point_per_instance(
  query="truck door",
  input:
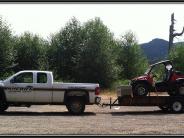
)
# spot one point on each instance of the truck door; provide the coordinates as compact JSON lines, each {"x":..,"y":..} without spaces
{"x":20,"y":88}
{"x":42,"y":88}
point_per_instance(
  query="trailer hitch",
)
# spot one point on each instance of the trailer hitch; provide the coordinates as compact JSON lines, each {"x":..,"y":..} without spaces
{"x":103,"y":105}
{"x":98,"y":102}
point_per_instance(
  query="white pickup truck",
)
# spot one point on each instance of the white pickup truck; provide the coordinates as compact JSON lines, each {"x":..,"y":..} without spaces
{"x":29,"y":87}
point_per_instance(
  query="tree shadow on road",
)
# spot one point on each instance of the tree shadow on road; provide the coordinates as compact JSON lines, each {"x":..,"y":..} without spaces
{"x":155,"y":112}
{"x":24,"y":113}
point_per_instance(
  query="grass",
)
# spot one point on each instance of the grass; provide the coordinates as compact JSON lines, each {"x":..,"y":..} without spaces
{"x":107,"y":93}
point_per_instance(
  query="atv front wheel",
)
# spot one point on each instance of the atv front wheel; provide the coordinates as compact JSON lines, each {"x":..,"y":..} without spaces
{"x":140,"y":90}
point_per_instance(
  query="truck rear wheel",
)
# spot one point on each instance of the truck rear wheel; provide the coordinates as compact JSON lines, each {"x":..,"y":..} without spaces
{"x":76,"y":105}
{"x":176,"y":106}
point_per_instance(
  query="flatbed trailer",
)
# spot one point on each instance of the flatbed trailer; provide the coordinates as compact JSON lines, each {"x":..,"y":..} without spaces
{"x":165,"y":102}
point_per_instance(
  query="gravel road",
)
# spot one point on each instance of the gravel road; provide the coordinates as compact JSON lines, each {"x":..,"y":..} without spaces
{"x":56,"y":120}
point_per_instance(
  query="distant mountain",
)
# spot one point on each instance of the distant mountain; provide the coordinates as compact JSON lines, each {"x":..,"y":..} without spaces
{"x":155,"y":50}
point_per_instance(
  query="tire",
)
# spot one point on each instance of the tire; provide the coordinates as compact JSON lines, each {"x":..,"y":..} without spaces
{"x":3,"y":106}
{"x":76,"y":105}
{"x":176,"y":106}
{"x":140,"y":90}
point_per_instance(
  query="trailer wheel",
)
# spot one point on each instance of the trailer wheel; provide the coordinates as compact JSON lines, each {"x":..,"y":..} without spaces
{"x":140,"y":90}
{"x":177,"y":106}
{"x":76,"y":105}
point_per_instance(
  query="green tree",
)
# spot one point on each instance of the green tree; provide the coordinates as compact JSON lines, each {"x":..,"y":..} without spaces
{"x":30,"y":52}
{"x":131,"y":59}
{"x":65,"y":49}
{"x":97,"y":64}
{"x":176,"y":56}
{"x":6,"y":49}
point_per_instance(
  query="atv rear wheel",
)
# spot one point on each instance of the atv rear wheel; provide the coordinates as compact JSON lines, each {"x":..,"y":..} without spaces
{"x":140,"y":90}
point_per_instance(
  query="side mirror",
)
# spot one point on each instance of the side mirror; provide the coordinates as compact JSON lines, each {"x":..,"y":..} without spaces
{"x":12,"y":80}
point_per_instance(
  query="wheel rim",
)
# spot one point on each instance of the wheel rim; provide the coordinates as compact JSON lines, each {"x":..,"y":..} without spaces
{"x":177,"y":106}
{"x":141,"y":90}
{"x":76,"y":106}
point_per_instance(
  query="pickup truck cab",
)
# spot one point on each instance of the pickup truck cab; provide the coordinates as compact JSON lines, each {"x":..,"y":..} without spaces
{"x":32,"y":87}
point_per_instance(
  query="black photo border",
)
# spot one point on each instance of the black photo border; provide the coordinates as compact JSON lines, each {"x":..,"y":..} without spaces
{"x":91,"y":2}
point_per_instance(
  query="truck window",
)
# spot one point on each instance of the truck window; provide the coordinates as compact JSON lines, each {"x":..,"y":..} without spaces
{"x":41,"y":78}
{"x":24,"y":78}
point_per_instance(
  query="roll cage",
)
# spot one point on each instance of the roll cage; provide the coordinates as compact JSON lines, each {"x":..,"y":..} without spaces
{"x":164,"y":62}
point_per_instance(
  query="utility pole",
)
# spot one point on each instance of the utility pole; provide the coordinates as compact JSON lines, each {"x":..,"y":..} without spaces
{"x":171,"y":32}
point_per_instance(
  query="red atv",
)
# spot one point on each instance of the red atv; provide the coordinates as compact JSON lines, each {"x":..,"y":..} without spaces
{"x":171,"y":81}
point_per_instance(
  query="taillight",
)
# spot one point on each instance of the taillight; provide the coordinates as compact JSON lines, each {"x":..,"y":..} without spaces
{"x":97,"y":90}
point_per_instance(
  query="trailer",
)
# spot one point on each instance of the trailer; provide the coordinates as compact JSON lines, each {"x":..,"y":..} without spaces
{"x":125,"y":97}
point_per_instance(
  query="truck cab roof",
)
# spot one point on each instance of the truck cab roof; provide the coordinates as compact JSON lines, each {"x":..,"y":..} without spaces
{"x":35,"y":71}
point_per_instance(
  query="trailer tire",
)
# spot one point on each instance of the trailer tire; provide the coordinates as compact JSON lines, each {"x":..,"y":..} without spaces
{"x":177,"y":106}
{"x":76,"y":105}
{"x":140,"y":90}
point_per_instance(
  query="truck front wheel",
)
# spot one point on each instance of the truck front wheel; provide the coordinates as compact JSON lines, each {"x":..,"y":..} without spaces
{"x":75,"y":105}
{"x":3,"y":106}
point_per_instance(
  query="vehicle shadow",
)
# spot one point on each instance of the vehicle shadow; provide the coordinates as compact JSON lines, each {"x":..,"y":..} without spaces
{"x":155,"y":112}
{"x":23,"y":113}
